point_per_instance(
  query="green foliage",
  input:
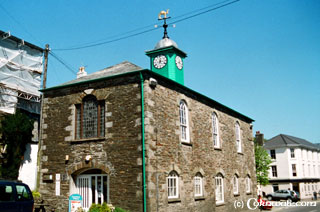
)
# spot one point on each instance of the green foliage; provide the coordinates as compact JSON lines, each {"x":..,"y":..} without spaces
{"x":36,"y":194}
{"x":263,"y":162}
{"x":99,"y":208}
{"x":16,"y":132}
{"x":119,"y":210}
{"x":80,"y":210}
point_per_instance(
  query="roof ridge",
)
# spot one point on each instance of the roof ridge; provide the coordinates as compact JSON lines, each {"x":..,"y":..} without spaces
{"x":289,"y":137}
{"x":284,"y":141}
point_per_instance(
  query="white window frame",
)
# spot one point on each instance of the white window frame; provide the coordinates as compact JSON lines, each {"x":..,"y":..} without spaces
{"x":274,"y":171}
{"x":219,"y":189}
{"x":198,"y":185}
{"x":248,"y":184}
{"x":235,"y":184}
{"x":215,"y":130}
{"x":273,"y":155}
{"x":292,"y":155}
{"x":294,"y":170}
{"x":184,"y":121}
{"x":173,"y":185}
{"x":238,"y":137}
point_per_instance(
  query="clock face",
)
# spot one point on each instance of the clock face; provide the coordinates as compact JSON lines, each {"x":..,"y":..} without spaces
{"x":179,"y":62}
{"x":160,"y":61}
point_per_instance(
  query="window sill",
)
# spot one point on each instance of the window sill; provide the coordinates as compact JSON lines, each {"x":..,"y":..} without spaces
{"x":217,"y":148}
{"x":87,"y":140}
{"x":248,"y":193}
{"x":220,"y":204}
{"x":174,"y":200}
{"x":186,"y":143}
{"x":236,"y":194}
{"x":199,"y":198}
{"x":240,"y":153}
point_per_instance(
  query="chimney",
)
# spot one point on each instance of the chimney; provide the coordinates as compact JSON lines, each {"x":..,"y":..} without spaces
{"x":259,"y":138}
{"x":81,"y":72}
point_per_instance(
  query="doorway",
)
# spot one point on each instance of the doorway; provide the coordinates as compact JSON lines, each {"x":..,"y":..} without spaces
{"x":93,"y":186}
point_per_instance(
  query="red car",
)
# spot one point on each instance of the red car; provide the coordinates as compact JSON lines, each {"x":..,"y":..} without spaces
{"x":263,"y":204}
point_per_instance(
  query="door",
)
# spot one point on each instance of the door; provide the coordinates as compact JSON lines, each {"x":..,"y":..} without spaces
{"x":93,"y":188}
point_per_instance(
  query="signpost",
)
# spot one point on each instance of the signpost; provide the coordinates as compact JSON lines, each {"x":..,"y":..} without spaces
{"x":75,"y":202}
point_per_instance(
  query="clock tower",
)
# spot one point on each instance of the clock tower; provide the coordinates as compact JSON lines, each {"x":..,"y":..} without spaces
{"x":166,"y":58}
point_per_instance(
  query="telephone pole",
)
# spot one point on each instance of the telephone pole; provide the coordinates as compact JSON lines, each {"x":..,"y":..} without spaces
{"x":46,"y":52}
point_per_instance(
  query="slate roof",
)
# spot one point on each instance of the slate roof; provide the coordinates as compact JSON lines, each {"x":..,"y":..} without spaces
{"x":289,"y":141}
{"x":117,"y":69}
{"x":126,"y":68}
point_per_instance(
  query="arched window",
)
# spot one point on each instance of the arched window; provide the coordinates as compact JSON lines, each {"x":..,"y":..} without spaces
{"x":90,"y":118}
{"x":219,"y":189}
{"x":238,"y":137}
{"x":173,"y":185}
{"x":248,"y":184}
{"x":215,"y":130}
{"x":235,"y":184}
{"x":184,"y":122}
{"x":198,"y":185}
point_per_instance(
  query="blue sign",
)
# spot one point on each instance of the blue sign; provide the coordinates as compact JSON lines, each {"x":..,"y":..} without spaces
{"x":75,"y":202}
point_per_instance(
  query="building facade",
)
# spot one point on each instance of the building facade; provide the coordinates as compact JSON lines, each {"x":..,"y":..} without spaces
{"x":295,"y":165}
{"x":141,"y":140}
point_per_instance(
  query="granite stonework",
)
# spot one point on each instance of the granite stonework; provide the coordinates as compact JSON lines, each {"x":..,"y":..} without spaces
{"x":119,"y":153}
{"x":166,"y":153}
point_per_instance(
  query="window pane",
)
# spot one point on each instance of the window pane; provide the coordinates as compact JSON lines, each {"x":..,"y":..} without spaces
{"x":78,"y":121}
{"x":22,"y":193}
{"x":183,"y":112}
{"x":105,"y":189}
{"x":6,"y":193}
{"x":102,"y":116}
{"x":90,"y":119}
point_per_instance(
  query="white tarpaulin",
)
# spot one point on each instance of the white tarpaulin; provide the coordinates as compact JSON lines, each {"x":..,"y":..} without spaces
{"x":20,"y":70}
{"x":8,"y":100}
{"x":20,"y":67}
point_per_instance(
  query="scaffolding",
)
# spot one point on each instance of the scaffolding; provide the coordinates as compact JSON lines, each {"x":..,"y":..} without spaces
{"x":20,"y":74}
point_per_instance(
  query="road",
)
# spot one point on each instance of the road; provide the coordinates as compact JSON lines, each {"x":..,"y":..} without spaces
{"x":313,"y":207}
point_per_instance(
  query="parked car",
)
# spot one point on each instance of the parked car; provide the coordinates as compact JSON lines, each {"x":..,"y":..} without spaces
{"x":297,"y":194}
{"x":15,"y":196}
{"x":283,"y":195}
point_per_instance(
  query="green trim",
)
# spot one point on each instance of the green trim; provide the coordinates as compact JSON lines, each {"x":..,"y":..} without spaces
{"x":143,"y":146}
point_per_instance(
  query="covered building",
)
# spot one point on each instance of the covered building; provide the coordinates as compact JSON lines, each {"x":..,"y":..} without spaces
{"x":20,"y":79}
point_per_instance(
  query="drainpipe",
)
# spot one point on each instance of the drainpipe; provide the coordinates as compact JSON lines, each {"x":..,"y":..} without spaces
{"x":143,"y":146}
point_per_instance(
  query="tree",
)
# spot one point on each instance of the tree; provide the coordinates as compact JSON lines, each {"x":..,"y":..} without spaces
{"x":16,"y":132}
{"x":263,"y":162}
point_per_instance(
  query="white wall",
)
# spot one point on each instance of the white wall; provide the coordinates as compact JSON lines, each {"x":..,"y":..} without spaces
{"x":303,"y":158}
{"x":28,"y":170}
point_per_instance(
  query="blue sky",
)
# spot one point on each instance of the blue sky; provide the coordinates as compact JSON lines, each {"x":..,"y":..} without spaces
{"x":259,"y":57}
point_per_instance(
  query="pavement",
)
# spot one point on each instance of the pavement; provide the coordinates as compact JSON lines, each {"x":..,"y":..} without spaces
{"x":280,"y":208}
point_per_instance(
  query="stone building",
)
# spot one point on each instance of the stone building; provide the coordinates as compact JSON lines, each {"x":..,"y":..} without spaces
{"x":143,"y":141}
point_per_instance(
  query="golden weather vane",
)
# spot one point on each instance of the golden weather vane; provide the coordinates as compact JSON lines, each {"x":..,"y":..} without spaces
{"x":163,"y":16}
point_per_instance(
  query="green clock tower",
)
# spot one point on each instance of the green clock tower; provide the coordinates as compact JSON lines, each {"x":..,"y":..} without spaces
{"x":166,"y":58}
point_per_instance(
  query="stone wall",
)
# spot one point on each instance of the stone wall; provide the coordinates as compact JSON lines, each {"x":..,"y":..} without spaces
{"x":165,"y":152}
{"x":118,"y":154}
